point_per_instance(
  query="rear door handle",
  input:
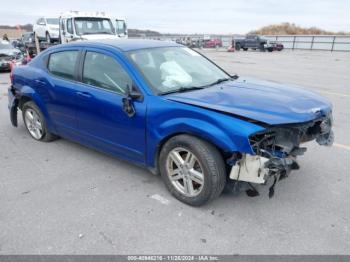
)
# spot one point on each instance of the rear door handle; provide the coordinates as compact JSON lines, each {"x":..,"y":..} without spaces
{"x":84,"y":94}
{"x":39,"y":82}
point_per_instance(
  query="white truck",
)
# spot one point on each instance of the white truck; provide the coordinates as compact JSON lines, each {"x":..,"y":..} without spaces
{"x":76,"y":25}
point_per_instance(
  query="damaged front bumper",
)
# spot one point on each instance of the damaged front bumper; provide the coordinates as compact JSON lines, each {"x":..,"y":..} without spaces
{"x":276,"y":150}
{"x":258,"y":170}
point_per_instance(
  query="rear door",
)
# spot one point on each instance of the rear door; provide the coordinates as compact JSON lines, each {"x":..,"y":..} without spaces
{"x":100,"y":115}
{"x":60,"y":90}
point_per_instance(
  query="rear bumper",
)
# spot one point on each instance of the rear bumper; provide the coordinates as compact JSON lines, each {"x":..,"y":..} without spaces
{"x":12,"y":106}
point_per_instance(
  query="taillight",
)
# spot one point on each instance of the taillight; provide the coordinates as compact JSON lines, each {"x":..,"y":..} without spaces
{"x":11,"y":72}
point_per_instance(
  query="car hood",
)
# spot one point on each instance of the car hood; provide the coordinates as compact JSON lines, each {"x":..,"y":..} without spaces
{"x":9,"y":52}
{"x":258,"y":100}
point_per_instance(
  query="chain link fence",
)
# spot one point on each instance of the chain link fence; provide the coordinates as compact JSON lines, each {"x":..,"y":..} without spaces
{"x":293,"y":42}
{"x":314,"y":42}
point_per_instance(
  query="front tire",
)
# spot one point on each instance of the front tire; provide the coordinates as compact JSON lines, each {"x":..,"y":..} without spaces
{"x":192,"y":169}
{"x":35,"y":123}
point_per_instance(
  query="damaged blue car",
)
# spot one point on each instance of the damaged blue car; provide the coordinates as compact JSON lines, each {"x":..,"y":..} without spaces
{"x":170,"y":109}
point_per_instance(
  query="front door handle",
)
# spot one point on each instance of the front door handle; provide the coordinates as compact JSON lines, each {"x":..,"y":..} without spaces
{"x":128,"y":106}
{"x":84,"y":94}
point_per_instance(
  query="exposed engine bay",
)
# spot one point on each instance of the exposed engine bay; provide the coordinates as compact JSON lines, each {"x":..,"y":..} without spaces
{"x":276,"y":150}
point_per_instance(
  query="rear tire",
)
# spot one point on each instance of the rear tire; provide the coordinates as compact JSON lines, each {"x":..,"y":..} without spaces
{"x":35,"y":123}
{"x":193,"y":170}
{"x":238,"y":47}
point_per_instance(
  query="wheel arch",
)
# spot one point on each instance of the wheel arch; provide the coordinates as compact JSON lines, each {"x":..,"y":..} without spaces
{"x":22,"y":100}
{"x":225,"y":152}
{"x":28,"y":94}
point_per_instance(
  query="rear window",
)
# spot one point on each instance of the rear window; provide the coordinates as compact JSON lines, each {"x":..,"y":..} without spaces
{"x":62,"y":64}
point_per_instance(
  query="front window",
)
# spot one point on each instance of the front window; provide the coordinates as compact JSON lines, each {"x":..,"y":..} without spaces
{"x":105,"y":72}
{"x":41,"y":21}
{"x":121,"y":27}
{"x":52,"y":21}
{"x":69,"y":26}
{"x":173,"y":69}
{"x":90,"y":25}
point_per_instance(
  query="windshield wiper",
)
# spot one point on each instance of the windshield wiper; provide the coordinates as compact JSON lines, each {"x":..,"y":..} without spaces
{"x":182,"y":90}
{"x":219,"y":81}
{"x":234,"y":77}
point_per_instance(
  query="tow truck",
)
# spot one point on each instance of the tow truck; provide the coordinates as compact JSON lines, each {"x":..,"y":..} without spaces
{"x":77,"y":25}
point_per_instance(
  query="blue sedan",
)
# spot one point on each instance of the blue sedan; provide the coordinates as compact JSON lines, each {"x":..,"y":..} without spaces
{"x":170,"y":109}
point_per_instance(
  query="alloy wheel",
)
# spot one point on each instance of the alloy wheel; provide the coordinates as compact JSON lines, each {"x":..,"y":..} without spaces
{"x":33,"y":123}
{"x":185,"y":171}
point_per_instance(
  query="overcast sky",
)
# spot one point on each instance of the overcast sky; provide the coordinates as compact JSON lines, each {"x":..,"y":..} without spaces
{"x":192,"y":16}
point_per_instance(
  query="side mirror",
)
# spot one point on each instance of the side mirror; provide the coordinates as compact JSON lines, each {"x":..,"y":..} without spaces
{"x":128,"y":105}
{"x":133,"y":93}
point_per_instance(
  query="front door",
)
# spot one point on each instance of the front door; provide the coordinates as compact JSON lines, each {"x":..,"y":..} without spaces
{"x":100,"y":115}
{"x":66,"y":30}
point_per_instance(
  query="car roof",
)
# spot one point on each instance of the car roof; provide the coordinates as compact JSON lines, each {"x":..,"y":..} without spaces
{"x":126,"y":45}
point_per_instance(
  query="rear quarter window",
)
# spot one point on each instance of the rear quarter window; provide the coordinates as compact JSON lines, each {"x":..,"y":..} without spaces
{"x":62,"y":64}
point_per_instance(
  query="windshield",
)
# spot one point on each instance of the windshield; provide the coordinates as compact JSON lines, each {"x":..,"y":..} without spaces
{"x":5,"y":45}
{"x":90,"y":25}
{"x":173,"y":69}
{"x":52,"y":21}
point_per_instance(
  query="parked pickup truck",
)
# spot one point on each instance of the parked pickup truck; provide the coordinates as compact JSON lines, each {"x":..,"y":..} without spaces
{"x":254,"y":42}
